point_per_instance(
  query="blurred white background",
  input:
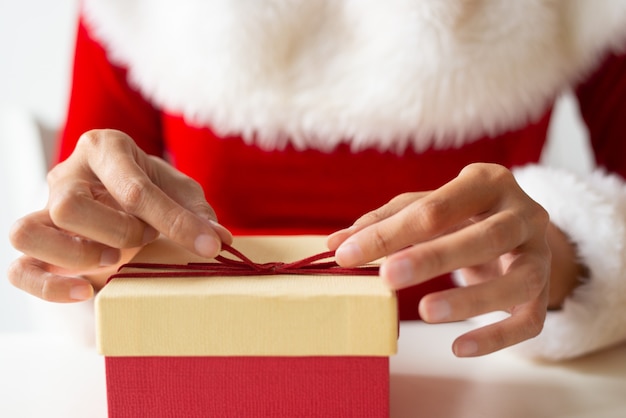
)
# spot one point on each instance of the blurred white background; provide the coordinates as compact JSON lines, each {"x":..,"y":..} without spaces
{"x":36,"y":40}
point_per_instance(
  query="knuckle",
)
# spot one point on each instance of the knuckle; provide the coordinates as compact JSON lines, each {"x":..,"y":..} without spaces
{"x":203,"y":209}
{"x":381,"y":242}
{"x":477,"y":302}
{"x":79,"y":255}
{"x":19,"y":276}
{"x":535,"y":281}
{"x":14,"y":273}
{"x":499,"y":339}
{"x":19,"y":235}
{"x":488,"y":172}
{"x":540,"y":215}
{"x":429,"y":215}
{"x":98,"y":144}
{"x":176,"y":222}
{"x":90,"y":139}
{"x":194,"y":186}
{"x":63,"y":209}
{"x":502,"y":235}
{"x":534,"y":323}
{"x":476,"y":169}
{"x":123,"y":236}
{"x":127,"y":237}
{"x":402,"y":199}
{"x":499,"y":173}
{"x":131,"y":196}
{"x":96,"y":138}
{"x":370,"y":218}
{"x":195,"y":190}
{"x":472,"y":169}
{"x":432,"y":259}
{"x":54,"y":174}
{"x":49,"y":288}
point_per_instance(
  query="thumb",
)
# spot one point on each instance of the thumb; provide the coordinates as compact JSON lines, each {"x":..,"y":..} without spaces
{"x":201,"y":208}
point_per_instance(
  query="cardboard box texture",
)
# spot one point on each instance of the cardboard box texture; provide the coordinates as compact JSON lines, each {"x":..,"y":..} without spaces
{"x":278,"y":345}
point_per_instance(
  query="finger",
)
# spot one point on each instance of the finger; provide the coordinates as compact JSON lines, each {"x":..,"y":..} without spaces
{"x":31,"y":275}
{"x":526,"y":280}
{"x":334,"y":240}
{"x":527,"y":322}
{"x":475,"y":244}
{"x":126,"y":179}
{"x":480,"y":273}
{"x":171,"y":219}
{"x":225,"y":235}
{"x":38,"y":237}
{"x":422,"y":220}
{"x":188,"y":193}
{"x":391,"y":208}
{"x":74,"y":208}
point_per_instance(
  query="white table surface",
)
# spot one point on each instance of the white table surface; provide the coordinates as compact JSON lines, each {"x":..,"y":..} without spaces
{"x":44,"y":377}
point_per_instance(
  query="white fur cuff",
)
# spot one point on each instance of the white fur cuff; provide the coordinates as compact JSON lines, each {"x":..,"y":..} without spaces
{"x":592,"y":211}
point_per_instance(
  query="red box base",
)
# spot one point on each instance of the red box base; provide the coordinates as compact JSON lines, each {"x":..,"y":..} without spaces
{"x":162,"y":387}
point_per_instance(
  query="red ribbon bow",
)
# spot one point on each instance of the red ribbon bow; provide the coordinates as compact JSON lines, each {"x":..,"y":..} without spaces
{"x":224,"y":266}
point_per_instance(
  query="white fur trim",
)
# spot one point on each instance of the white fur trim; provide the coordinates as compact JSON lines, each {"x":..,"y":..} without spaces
{"x":376,"y":73}
{"x":592,"y":211}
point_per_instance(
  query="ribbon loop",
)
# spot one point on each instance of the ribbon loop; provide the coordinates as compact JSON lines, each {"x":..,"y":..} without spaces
{"x":244,"y":266}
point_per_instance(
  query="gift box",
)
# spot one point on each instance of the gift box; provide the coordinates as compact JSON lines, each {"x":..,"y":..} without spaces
{"x":245,"y":344}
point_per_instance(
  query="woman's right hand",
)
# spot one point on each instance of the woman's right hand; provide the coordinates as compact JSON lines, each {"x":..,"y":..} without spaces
{"x":106,"y":200}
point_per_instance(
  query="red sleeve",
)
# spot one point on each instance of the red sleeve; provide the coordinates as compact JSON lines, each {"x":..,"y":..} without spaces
{"x":101,"y":98}
{"x":602,"y":100}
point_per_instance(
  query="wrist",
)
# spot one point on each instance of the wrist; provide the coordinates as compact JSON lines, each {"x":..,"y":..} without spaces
{"x":567,"y":272}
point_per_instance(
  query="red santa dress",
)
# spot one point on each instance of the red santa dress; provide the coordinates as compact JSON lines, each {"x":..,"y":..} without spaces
{"x":298,"y":117}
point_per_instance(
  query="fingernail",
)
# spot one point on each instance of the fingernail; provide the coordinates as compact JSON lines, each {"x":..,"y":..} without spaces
{"x":398,"y":273}
{"x":466,"y":348}
{"x":438,"y":311}
{"x":206,"y":245}
{"x":109,"y":257}
{"x":81,"y":292}
{"x":349,"y":254}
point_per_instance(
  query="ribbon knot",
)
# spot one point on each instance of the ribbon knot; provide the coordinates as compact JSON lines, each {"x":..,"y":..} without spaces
{"x":244,"y":266}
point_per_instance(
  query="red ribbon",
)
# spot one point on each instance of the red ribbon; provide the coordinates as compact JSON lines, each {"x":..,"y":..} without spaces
{"x":224,"y":266}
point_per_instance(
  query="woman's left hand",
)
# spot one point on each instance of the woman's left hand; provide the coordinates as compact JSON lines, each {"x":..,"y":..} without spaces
{"x":480,"y":222}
